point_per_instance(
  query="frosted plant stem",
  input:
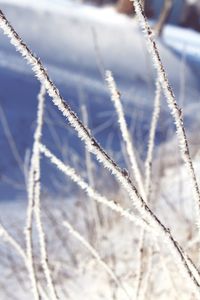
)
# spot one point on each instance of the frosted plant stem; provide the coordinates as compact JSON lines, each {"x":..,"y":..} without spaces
{"x":151,"y":140}
{"x":28,"y":236}
{"x":95,"y":211}
{"x":93,"y":146}
{"x":15,"y":245}
{"x":96,"y":255}
{"x":71,"y":173}
{"x":35,"y":170}
{"x":148,"y":171}
{"x":173,"y":106}
{"x":31,"y":193}
{"x":116,"y":99}
{"x":144,"y":190}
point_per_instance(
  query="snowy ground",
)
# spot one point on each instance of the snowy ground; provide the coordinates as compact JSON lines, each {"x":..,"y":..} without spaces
{"x":76,"y":43}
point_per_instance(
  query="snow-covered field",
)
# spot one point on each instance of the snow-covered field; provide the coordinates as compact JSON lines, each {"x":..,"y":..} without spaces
{"x":77,"y":43}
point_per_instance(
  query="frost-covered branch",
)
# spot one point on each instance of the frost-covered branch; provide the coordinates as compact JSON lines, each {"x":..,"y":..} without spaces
{"x":151,"y":140}
{"x":34,"y":200}
{"x":143,"y":188}
{"x":173,"y":106}
{"x":93,"y":146}
{"x":116,"y":99}
{"x":148,"y":171}
{"x":89,"y":167}
{"x":71,"y":173}
{"x":31,"y":196}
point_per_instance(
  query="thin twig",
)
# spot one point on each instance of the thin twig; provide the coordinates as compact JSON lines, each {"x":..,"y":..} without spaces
{"x":148,"y":171}
{"x":116,"y":98}
{"x":35,"y":174}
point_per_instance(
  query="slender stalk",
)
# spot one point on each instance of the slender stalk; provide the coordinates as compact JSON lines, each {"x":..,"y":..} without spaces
{"x":144,"y":189}
{"x":89,"y":167}
{"x":116,"y":99}
{"x":35,"y":172}
{"x":148,"y":171}
{"x":151,"y":140}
